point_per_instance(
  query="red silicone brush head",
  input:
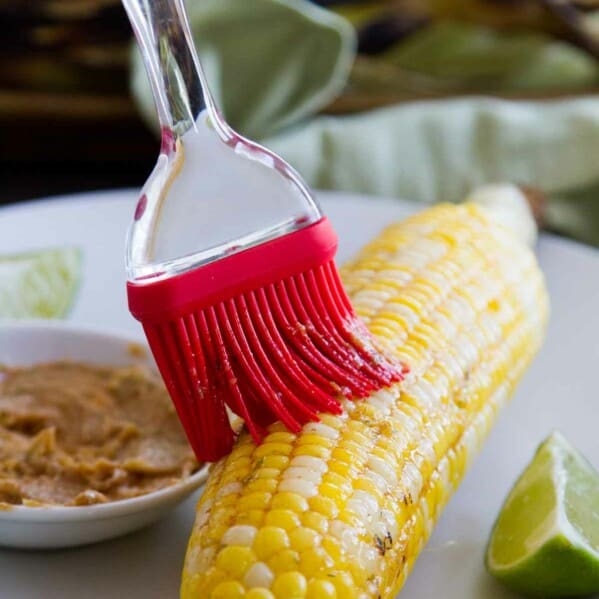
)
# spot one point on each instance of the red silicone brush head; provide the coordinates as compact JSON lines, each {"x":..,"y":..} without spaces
{"x":268,"y":332}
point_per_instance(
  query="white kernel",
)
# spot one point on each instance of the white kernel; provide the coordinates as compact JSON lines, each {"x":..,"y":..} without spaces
{"x":377,"y":480}
{"x":308,"y":461}
{"x":368,"y":558}
{"x":200,"y":560}
{"x":382,"y":468}
{"x":235,"y":487}
{"x":302,"y":474}
{"x":305,"y":488}
{"x":412,"y":479}
{"x":239,"y":535}
{"x":345,"y":534}
{"x":259,"y":575}
{"x":322,"y":430}
{"x":363,"y":503}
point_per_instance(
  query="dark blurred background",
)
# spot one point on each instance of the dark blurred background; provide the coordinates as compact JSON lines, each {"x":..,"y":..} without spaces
{"x":67,"y":122}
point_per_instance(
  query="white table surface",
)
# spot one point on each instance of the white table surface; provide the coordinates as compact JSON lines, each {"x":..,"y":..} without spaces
{"x":560,"y":391}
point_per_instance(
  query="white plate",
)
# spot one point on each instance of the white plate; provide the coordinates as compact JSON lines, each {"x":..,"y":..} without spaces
{"x":560,"y":391}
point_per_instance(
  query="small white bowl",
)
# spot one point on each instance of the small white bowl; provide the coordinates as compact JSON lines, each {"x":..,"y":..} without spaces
{"x":31,"y":342}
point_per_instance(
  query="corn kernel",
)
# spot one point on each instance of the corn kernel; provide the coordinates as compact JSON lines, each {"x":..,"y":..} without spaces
{"x":324,"y":505}
{"x":290,"y":501}
{"x":267,"y":449}
{"x":344,"y":585}
{"x":303,"y":538}
{"x":267,"y":473}
{"x":228,"y":590}
{"x":331,"y":546}
{"x":259,"y":594}
{"x":277,"y":462}
{"x":290,"y":585}
{"x":284,"y":561}
{"x":315,"y":521}
{"x":235,"y":560}
{"x":280,"y":437}
{"x":269,"y":541}
{"x":261,"y":485}
{"x":321,"y":589}
{"x":254,"y":501}
{"x":251,"y":518}
{"x":285,"y":519}
{"x":316,"y":451}
{"x":315,"y":562}
{"x":240,"y":535}
{"x":259,"y":575}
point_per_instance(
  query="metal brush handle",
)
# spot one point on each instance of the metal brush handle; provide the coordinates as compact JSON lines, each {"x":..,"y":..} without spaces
{"x":210,"y":186}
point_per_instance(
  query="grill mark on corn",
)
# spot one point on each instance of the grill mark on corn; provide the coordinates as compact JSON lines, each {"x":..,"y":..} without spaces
{"x":351,"y":501}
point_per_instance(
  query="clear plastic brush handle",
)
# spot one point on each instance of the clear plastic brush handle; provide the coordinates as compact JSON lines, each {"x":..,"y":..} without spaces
{"x":212,"y":192}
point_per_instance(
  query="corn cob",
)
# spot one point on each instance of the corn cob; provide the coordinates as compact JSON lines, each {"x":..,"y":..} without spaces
{"x":342,"y":509}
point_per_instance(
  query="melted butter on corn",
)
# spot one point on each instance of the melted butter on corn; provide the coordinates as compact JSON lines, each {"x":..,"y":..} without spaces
{"x":343,"y":509}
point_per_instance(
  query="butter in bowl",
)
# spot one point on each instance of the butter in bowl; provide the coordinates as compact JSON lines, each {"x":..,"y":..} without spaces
{"x":90,"y":445}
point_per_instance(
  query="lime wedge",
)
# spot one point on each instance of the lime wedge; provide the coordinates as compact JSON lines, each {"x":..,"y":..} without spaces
{"x":545,"y":542}
{"x":39,"y":284}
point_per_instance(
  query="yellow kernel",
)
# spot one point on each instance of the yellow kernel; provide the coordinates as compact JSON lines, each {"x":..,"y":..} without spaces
{"x":290,"y":585}
{"x":280,"y":437}
{"x":324,"y":505}
{"x":267,"y":449}
{"x":261,"y":485}
{"x":285,"y":519}
{"x":334,"y":492}
{"x":254,"y":501}
{"x":212,"y":578}
{"x":290,"y":501}
{"x":251,"y":517}
{"x":236,"y":462}
{"x":344,"y":585}
{"x":331,"y":546}
{"x":276,"y":427}
{"x":337,"y":480}
{"x":228,"y":590}
{"x":234,"y":476}
{"x":313,"y":439}
{"x":259,"y":594}
{"x":343,"y":469}
{"x":356,"y":436}
{"x":316,"y":451}
{"x":350,"y":518}
{"x":268,"y":473}
{"x":315,"y":562}
{"x":341,"y":455}
{"x":365,"y":484}
{"x":235,"y":560}
{"x":315,"y":521}
{"x":284,"y":561}
{"x":303,"y":538}
{"x":277,"y":462}
{"x":352,"y":447}
{"x":321,"y":589}
{"x":269,"y":541}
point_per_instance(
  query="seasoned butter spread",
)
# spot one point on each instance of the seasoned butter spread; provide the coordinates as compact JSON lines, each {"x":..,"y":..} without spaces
{"x":75,"y":434}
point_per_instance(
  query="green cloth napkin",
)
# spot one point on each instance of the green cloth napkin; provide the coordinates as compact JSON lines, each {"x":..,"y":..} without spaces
{"x":269,"y":62}
{"x":438,"y":150}
{"x":273,"y":64}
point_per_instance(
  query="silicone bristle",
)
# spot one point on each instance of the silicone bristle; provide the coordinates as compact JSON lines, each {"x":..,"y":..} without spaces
{"x":286,"y":351}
